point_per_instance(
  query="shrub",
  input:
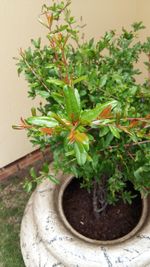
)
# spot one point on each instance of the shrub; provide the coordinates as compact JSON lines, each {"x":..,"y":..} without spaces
{"x":95,"y":115}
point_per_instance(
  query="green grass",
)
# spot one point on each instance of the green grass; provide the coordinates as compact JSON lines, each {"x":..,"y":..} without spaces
{"x":12,"y":203}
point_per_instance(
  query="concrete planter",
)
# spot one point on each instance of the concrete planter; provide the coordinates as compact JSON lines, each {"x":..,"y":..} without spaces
{"x":47,"y":240}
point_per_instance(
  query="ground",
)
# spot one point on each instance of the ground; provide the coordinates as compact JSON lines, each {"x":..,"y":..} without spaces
{"x":12,"y":203}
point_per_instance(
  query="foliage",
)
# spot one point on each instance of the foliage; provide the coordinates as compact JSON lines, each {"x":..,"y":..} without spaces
{"x":95,"y":115}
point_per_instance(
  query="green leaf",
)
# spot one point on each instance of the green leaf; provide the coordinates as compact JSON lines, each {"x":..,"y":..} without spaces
{"x":34,"y":85}
{"x":55,"y":82}
{"x":57,"y":97}
{"x":32,"y":173}
{"x":36,"y":43}
{"x":45,"y":168}
{"x":43,"y":94}
{"x":50,"y":66}
{"x":60,"y":120}
{"x":33,"y":111}
{"x":92,"y":114}
{"x":53,"y":179}
{"x":42,"y":121}
{"x":133,"y":137}
{"x":115,"y":131}
{"x":28,"y":186}
{"x":80,"y":152}
{"x":138,"y":174}
{"x":103,"y":131}
{"x":72,"y":103}
{"x":133,"y":90}
{"x":108,"y":140}
{"x":138,"y":26}
{"x":77,"y":98}
{"x":103,"y":80}
{"x":81,"y":137}
{"x":69,"y":153}
{"x":82,"y":78}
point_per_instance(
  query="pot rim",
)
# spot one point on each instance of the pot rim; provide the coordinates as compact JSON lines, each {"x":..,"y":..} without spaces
{"x":94,"y":241}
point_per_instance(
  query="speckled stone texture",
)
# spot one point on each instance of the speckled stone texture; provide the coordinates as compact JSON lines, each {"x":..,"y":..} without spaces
{"x":46,"y":242}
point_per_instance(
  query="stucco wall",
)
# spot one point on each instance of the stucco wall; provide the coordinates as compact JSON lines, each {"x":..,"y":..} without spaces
{"x":143,"y":14}
{"x":18,"y":23}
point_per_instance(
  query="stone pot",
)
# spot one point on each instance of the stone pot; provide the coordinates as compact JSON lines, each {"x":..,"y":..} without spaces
{"x":48,"y":240}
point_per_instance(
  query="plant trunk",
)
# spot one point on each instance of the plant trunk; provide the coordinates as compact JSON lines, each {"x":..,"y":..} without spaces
{"x":99,"y":196}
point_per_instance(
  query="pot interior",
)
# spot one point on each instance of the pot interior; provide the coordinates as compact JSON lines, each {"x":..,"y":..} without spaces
{"x":116,"y":223}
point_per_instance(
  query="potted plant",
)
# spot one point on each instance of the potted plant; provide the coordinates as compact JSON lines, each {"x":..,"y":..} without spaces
{"x":95,"y":118}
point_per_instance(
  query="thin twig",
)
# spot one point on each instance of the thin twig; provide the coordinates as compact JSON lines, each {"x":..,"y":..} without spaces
{"x":33,"y":71}
{"x":131,"y":144}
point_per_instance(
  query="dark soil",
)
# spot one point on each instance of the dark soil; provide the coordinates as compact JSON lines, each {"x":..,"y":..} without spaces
{"x":116,"y":221}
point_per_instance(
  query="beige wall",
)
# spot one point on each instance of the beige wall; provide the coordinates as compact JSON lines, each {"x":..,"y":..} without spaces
{"x":143,"y":14}
{"x":18,"y":23}
{"x":104,"y":15}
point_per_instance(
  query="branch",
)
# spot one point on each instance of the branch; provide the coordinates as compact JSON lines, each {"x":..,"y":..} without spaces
{"x":131,"y":144}
{"x":33,"y":71}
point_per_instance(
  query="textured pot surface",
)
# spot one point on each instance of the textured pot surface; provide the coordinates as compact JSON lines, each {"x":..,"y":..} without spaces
{"x":47,"y":242}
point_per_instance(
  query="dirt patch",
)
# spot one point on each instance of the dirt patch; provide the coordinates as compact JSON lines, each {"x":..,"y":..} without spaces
{"x":116,"y":221}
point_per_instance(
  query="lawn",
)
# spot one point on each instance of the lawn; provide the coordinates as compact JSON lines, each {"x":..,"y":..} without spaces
{"x":12,"y":203}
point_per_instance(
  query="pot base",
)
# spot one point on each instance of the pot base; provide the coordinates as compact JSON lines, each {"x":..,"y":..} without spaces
{"x":46,"y":241}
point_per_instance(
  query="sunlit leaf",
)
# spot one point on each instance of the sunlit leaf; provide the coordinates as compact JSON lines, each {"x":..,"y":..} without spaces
{"x":43,"y":94}
{"x":53,"y":179}
{"x":32,"y":173}
{"x":103,"y":131}
{"x":55,"y":82}
{"x":28,"y":186}
{"x":92,"y":114}
{"x":72,"y":103}
{"x":103,"y":80}
{"x":80,"y":152}
{"x":44,"y":121}
{"x":81,"y":137}
{"x":57,"y":97}
{"x":114,"y":131}
{"x":125,"y":129}
{"x":82,"y":78}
